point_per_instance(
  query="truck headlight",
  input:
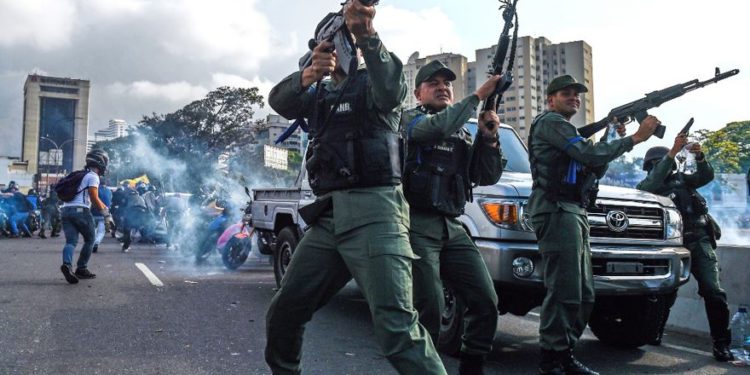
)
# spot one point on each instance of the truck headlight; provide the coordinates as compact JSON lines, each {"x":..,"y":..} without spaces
{"x":508,"y":214}
{"x":523,"y":267}
{"x":673,"y":223}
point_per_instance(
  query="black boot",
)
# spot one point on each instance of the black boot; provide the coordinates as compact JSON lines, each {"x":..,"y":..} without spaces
{"x":550,"y":363}
{"x":721,"y":350}
{"x":41,"y":234}
{"x":572,"y":366}
{"x":471,"y":364}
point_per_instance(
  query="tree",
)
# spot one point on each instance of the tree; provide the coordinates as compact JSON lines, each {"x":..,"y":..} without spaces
{"x":728,"y":148}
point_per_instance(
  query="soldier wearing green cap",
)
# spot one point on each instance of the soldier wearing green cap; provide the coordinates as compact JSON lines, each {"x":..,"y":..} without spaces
{"x":561,"y":161}
{"x":358,"y":224}
{"x":442,"y":165}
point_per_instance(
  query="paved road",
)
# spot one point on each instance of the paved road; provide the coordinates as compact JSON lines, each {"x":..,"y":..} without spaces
{"x":206,"y":320}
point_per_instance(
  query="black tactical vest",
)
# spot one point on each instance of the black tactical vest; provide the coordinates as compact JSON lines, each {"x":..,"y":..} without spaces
{"x":347,"y":149}
{"x":436,"y":176}
{"x":551,"y":177}
{"x":689,"y":202}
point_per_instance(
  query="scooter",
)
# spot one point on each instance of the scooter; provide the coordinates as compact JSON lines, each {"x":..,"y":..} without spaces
{"x":235,"y":243}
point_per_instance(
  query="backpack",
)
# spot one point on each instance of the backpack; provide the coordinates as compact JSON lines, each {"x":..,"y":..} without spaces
{"x":67,"y":187}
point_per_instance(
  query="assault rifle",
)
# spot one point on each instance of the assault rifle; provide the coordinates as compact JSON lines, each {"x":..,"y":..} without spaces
{"x":333,"y":29}
{"x":637,"y":110}
{"x":509,"y":13}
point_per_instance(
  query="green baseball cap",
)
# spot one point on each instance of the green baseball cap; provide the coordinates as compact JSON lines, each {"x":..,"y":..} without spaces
{"x":564,"y":81}
{"x":428,"y":71}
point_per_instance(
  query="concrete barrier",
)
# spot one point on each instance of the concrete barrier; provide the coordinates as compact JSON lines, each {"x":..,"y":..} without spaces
{"x":689,"y":314}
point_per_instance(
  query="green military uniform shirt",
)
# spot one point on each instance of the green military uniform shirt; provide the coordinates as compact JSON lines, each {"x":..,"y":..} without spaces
{"x":659,"y":182}
{"x":485,"y":168}
{"x":553,"y":140}
{"x":358,"y":206}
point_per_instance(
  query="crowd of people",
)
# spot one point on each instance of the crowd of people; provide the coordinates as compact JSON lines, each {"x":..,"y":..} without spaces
{"x":24,"y":215}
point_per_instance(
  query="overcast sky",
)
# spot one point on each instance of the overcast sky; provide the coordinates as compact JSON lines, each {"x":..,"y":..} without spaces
{"x":156,"y":56}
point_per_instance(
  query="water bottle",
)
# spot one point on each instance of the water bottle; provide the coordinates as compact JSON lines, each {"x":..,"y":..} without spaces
{"x":740,"y":326}
{"x":612,"y":134}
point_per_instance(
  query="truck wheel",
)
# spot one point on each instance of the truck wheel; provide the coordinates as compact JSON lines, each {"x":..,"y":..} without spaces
{"x":286,"y":242}
{"x":629,"y":322}
{"x":451,"y":323}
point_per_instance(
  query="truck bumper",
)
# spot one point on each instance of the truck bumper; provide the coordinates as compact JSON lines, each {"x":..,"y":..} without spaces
{"x":618,"y":270}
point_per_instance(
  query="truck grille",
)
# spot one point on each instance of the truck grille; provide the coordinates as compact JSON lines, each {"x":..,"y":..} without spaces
{"x":616,"y":220}
{"x":630,"y":267}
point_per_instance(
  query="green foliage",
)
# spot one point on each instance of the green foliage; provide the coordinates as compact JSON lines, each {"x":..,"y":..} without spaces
{"x":188,"y":141}
{"x":728,"y":149}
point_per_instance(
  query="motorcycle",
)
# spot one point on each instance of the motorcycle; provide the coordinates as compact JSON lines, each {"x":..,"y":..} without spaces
{"x":217,"y":220}
{"x":235,"y":243}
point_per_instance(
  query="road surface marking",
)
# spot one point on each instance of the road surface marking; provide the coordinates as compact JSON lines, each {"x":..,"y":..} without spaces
{"x":149,"y":275}
{"x":670,"y":346}
{"x":686,"y":349}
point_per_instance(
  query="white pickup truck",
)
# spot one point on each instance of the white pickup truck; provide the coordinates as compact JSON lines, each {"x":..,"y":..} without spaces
{"x":638,"y":258}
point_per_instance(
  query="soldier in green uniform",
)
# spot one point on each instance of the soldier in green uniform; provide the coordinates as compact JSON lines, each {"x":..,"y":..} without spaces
{"x":441,"y":166}
{"x":359,"y":223}
{"x":563,"y":167}
{"x":699,"y":231}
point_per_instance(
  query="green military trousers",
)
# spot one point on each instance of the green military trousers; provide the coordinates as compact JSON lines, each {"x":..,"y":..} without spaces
{"x":705,"y":269}
{"x":379,"y":257}
{"x":457,"y":262}
{"x":566,"y":257}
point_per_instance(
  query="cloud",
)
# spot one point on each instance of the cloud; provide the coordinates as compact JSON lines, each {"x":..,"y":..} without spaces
{"x":43,"y":24}
{"x":428,"y":30}
{"x":174,"y":91}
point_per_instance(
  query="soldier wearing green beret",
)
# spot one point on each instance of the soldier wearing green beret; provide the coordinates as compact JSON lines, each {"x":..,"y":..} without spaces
{"x":358,"y":224}
{"x":442,"y":165}
{"x":561,"y":161}
{"x":699,"y":232}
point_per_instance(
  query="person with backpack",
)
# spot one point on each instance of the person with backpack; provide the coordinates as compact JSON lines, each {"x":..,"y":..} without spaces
{"x":78,"y":191}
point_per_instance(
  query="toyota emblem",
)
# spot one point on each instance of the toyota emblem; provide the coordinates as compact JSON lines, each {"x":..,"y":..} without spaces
{"x":617,"y":221}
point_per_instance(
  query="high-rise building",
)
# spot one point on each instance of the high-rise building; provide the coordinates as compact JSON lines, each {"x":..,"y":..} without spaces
{"x":455,"y":62}
{"x":537,"y":62}
{"x":276,"y":126}
{"x":116,"y":129}
{"x":55,"y":122}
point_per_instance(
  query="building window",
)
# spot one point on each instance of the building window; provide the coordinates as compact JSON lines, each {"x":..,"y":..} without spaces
{"x":61,"y":90}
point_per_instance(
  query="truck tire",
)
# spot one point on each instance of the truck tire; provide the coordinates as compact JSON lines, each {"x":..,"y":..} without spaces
{"x":451,"y":323}
{"x":629,"y":321}
{"x":286,"y":242}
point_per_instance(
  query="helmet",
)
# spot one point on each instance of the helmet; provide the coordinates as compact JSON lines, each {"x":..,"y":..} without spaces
{"x":31,"y":192}
{"x":97,"y":158}
{"x":652,"y":155}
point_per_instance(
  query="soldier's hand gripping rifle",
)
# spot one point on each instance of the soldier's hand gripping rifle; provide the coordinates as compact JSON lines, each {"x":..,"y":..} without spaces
{"x":492,"y":103}
{"x":331,"y":29}
{"x":637,"y":110}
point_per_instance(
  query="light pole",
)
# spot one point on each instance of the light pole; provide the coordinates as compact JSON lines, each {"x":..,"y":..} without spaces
{"x":59,"y":152}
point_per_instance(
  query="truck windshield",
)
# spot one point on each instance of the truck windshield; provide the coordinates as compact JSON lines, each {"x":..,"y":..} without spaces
{"x":514,"y":150}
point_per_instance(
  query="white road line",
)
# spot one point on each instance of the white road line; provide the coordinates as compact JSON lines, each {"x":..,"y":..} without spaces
{"x":663,"y":344}
{"x":686,"y":349}
{"x":149,"y":275}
